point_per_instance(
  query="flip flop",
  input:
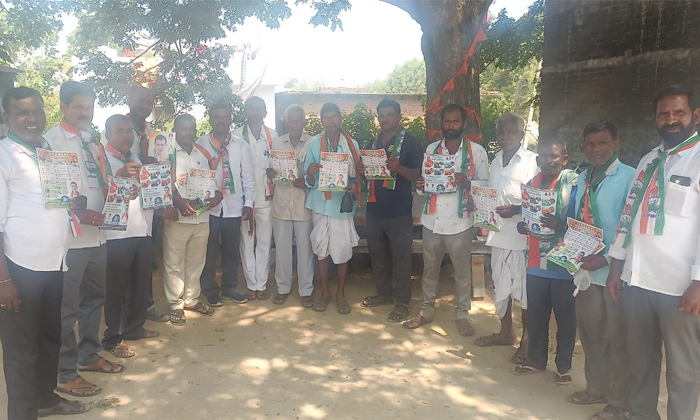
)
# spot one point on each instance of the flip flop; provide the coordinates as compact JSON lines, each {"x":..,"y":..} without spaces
{"x":78,"y":387}
{"x":416,"y":322}
{"x":64,"y":407}
{"x":99,"y":366}
{"x":519,"y":357}
{"x":374,"y":301}
{"x":201,"y":309}
{"x":522,"y":370}
{"x":262,"y":295}
{"x":562,"y":378}
{"x":280,"y":299}
{"x":584,"y":398}
{"x":122,"y":351}
{"x":464,"y":327}
{"x":343,"y":307}
{"x":321,"y":305}
{"x":307,"y":301}
{"x":400,"y":313}
{"x":177,"y":317}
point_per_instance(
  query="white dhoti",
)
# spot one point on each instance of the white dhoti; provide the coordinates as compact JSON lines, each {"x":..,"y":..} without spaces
{"x":508,"y":273}
{"x":334,"y":237}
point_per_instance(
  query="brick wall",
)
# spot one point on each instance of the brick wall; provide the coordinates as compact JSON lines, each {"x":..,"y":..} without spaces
{"x":604,"y":60}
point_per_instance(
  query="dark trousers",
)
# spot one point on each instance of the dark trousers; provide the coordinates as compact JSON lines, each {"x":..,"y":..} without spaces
{"x":543,"y":296}
{"x":157,"y":220}
{"x":31,"y":341}
{"x":229,"y":230}
{"x":390,"y":243}
{"x":128,"y":277}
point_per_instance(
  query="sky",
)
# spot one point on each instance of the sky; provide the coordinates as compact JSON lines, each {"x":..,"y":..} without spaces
{"x":376,"y":37}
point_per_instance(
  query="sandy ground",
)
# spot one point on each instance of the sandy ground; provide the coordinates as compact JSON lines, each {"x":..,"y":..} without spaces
{"x":259,"y":361}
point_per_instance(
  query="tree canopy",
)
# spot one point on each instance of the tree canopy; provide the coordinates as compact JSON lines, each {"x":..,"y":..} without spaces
{"x":27,"y":25}
{"x":408,"y":77}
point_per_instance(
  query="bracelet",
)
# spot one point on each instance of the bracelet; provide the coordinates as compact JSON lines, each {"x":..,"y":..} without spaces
{"x":5,"y":281}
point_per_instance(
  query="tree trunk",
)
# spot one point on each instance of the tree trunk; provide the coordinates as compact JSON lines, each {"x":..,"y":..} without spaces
{"x":449,"y":29}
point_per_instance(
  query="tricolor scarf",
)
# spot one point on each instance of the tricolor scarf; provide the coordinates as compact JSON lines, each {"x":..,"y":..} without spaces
{"x":394,"y":151}
{"x":221,"y":156}
{"x":72,"y":218}
{"x":120,"y":157}
{"x":537,"y":249}
{"x":588,"y":207}
{"x":269,"y":191}
{"x":467,"y":167}
{"x":96,"y":167}
{"x":325,"y":146}
{"x":648,"y":192}
{"x":142,"y":134}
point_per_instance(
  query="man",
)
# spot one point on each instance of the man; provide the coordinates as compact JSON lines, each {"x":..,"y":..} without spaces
{"x":655,"y":254}
{"x":291,"y":220}
{"x":141,"y":102}
{"x":31,"y":270}
{"x":448,"y":224}
{"x":512,"y":166}
{"x":549,"y":286}
{"x":389,"y":213}
{"x":185,"y":240}
{"x":256,"y":235}
{"x":334,"y":232}
{"x":84,"y":283}
{"x":232,"y":159}
{"x":129,"y":252}
{"x":601,"y":320}
{"x":160,"y":143}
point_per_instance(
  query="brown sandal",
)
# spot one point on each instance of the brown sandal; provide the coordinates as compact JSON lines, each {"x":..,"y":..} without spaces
{"x":102,"y":366}
{"x":122,"y":350}
{"x":79,"y":387}
{"x":201,"y":308}
{"x":262,"y":295}
{"x":64,"y":407}
{"x":416,"y":322}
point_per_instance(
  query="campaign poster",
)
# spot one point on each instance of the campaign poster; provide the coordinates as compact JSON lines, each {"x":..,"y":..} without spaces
{"x":333,"y":175}
{"x":580,"y":240}
{"x":156,"y":188}
{"x":439,"y":173}
{"x":375,"y":165}
{"x":536,"y":203}
{"x":60,"y":177}
{"x":161,"y":145}
{"x":116,"y":209}
{"x":485,"y":203}
{"x":285,"y":164}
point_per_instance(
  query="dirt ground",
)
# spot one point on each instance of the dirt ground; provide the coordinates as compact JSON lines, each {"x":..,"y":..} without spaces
{"x":263,"y":361}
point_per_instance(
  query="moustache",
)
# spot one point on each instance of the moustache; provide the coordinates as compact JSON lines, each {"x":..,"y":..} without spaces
{"x":668,"y":127}
{"x":451,"y":134}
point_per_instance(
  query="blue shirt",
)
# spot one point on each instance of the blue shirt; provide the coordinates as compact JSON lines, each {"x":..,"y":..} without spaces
{"x":315,"y":200}
{"x":610,"y":196}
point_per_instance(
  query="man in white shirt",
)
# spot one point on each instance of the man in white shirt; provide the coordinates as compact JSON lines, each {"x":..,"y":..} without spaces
{"x":232,"y":160}
{"x":185,"y":239}
{"x":256,"y":235}
{"x":84,"y":283}
{"x":448,"y":225}
{"x":512,"y":167}
{"x":34,"y":245}
{"x":290,"y":217}
{"x":656,"y":255}
{"x":141,"y":102}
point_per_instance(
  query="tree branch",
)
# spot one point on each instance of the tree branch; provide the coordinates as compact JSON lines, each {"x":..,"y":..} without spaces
{"x":144,"y":52}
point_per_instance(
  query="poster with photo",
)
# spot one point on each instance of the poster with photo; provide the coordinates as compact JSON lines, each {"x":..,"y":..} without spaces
{"x":156,"y":188}
{"x":375,"y":165}
{"x":333,"y":175}
{"x":580,"y":240}
{"x":285,"y":163}
{"x":537,"y":203}
{"x":161,"y":145}
{"x":201,"y":185}
{"x":60,"y":177}
{"x":116,"y":209}
{"x":439,"y":173}
{"x":485,"y":203}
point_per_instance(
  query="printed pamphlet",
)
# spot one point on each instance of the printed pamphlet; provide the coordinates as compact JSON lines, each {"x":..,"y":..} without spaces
{"x":375,"y":165}
{"x":580,"y":241}
{"x":156,"y":191}
{"x":333,"y":175}
{"x":60,"y":177}
{"x":116,"y":209}
{"x":439,"y":173}
{"x":285,"y":163}
{"x":201,"y":184}
{"x":537,"y":203}
{"x":485,"y":201}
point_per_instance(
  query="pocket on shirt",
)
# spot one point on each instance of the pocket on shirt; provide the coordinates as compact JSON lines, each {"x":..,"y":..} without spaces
{"x":679,"y":199}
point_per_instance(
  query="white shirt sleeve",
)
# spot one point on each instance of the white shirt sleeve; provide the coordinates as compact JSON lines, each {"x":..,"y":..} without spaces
{"x":247,"y":175}
{"x":481,"y":160}
{"x":5,"y":167}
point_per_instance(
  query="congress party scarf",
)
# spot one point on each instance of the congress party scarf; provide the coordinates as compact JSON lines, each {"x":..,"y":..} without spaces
{"x":269,"y":191}
{"x":325,"y":146}
{"x":72,"y":218}
{"x":537,"y":249}
{"x":222,"y":156}
{"x":96,"y":168}
{"x":648,"y":192}
{"x":142,"y":134}
{"x":467,"y":167}
{"x":394,"y":151}
{"x":588,"y":206}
